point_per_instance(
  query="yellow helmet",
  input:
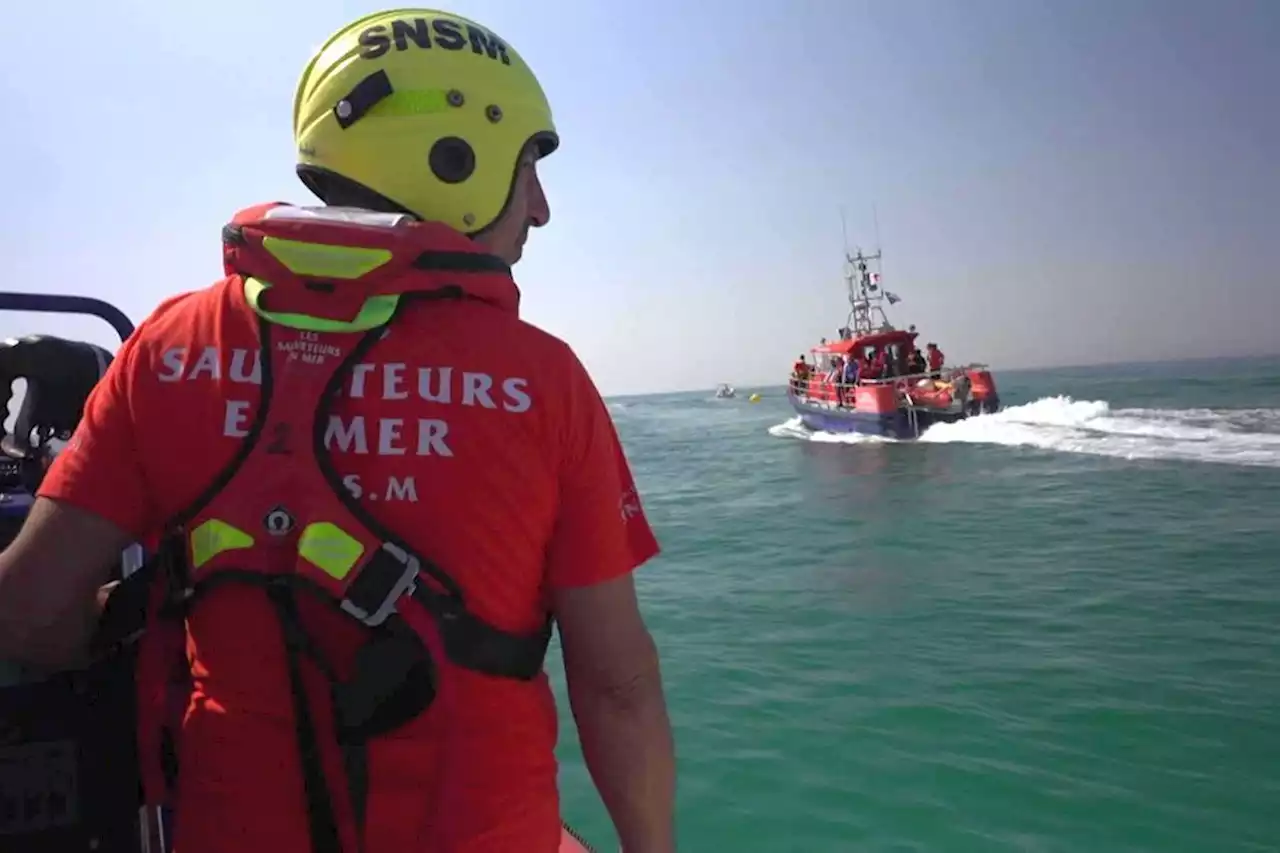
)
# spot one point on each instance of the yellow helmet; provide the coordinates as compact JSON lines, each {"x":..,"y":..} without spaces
{"x":424,"y":108}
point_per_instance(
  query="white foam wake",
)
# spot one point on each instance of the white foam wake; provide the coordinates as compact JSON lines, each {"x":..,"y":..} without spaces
{"x":1225,"y":436}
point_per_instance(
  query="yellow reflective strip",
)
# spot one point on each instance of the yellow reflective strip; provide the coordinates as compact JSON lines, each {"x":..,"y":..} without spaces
{"x":213,"y":537}
{"x":323,"y":260}
{"x":376,"y":311}
{"x":330,"y":548}
{"x":412,"y":103}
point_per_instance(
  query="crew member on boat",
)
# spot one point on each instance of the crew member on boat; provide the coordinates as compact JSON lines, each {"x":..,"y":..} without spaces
{"x":848,"y":378}
{"x":935,"y":359}
{"x":833,"y":370}
{"x":916,"y":363}
{"x":800,"y":375}
{"x":876,"y":365}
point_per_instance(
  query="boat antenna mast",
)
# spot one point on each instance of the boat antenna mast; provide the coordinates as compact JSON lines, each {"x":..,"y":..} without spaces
{"x":862,"y":274}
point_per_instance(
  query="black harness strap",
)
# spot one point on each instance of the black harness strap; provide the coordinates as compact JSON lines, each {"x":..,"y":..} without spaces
{"x":321,"y":817}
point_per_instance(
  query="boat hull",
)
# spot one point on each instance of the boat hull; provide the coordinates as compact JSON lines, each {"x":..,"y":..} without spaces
{"x":901,"y":423}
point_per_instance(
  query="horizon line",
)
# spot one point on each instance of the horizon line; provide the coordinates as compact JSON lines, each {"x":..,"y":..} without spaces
{"x":1001,"y":370}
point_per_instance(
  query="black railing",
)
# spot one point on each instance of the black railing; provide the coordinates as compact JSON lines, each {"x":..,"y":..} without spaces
{"x":56,"y":303}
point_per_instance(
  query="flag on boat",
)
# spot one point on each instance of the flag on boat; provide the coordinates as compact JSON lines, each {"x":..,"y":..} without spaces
{"x":875,"y":278}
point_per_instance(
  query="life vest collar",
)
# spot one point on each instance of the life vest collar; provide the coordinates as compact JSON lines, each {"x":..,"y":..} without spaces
{"x":341,"y":264}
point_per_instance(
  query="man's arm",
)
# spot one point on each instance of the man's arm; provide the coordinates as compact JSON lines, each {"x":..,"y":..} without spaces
{"x":611,"y":665}
{"x":615,"y":691}
{"x":49,"y":583}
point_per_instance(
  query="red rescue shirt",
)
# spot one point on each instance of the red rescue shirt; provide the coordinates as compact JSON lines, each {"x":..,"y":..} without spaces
{"x":475,"y":436}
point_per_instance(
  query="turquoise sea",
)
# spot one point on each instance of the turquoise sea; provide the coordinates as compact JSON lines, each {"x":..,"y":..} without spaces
{"x":1056,"y":628}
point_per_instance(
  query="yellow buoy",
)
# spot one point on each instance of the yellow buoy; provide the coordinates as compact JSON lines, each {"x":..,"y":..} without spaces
{"x":754,"y":398}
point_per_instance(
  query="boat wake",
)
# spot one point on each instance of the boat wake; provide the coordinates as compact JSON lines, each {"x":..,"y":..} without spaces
{"x":1223,"y":436}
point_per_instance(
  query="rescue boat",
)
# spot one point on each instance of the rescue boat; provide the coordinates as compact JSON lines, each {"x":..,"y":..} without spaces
{"x":900,"y":404}
{"x":71,"y":778}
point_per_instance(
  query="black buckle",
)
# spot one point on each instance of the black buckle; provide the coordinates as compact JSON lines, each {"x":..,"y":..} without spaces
{"x":385,"y":579}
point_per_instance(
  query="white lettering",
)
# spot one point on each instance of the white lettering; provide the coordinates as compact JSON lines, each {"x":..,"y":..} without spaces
{"x":442,"y":392}
{"x":389,"y":437}
{"x":396,"y":489}
{"x":393,"y":382}
{"x":245,"y":367}
{"x":431,"y":435}
{"x":352,"y":436}
{"x":349,"y":438}
{"x":235,"y":419}
{"x":356,"y":434}
{"x":475,"y":387}
{"x":358,"y":373}
{"x":352,"y":482}
{"x":208,"y":362}
{"x":175,"y":363}
{"x":308,"y":350}
{"x":402,"y":490}
{"x":239,"y":374}
{"x":517,"y":399}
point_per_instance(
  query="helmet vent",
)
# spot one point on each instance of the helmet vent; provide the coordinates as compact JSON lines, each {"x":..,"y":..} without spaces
{"x":452,"y":160}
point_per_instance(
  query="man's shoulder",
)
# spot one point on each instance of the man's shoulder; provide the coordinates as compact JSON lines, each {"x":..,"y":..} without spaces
{"x":559,"y":363}
{"x":182,"y":330}
{"x":184,"y":309}
{"x":553,"y":347}
{"x":500,"y":338}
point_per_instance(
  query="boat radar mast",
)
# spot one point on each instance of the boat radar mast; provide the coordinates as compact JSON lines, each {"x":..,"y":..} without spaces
{"x":866,"y":297}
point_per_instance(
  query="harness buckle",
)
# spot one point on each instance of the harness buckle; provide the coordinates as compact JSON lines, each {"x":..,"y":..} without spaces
{"x":390,"y":575}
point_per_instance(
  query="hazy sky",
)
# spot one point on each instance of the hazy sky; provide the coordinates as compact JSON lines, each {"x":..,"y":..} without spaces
{"x":1057,"y":182}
